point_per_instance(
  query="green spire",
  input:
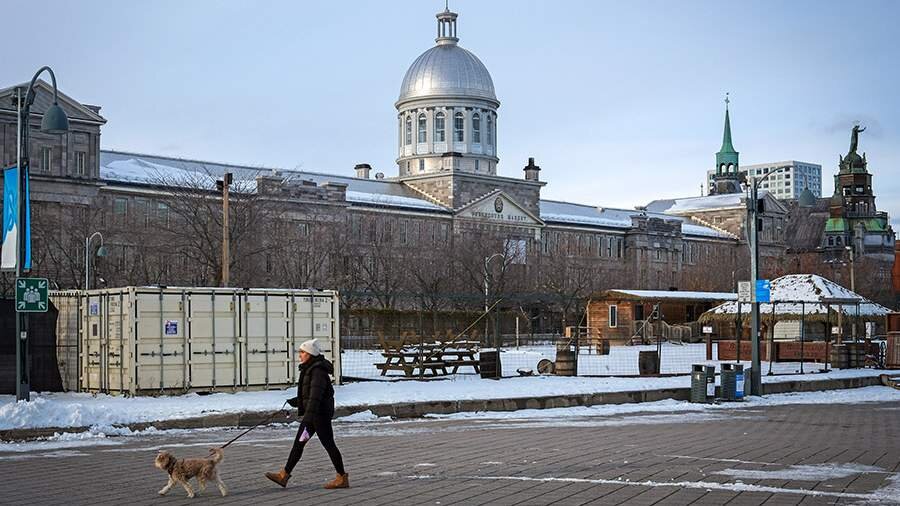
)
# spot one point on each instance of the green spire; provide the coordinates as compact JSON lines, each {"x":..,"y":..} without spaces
{"x":726,"y":155}
{"x":727,"y":147}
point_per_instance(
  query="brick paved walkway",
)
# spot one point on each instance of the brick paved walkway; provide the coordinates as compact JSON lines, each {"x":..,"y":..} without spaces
{"x":639,"y":459}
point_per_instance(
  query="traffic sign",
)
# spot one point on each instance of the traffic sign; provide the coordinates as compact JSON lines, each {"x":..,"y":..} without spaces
{"x":763,"y":290}
{"x":745,"y":291}
{"x":32,"y":295}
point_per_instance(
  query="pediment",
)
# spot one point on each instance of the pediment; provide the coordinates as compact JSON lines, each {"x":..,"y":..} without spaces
{"x":498,"y":207}
{"x":44,"y":98}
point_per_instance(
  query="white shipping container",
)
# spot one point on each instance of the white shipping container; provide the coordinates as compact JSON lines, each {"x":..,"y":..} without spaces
{"x":142,"y":340}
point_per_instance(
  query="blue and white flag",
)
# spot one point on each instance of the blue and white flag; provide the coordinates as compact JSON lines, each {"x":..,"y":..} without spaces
{"x":11,"y":221}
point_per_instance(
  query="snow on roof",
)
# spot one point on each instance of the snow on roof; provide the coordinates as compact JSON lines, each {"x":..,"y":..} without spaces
{"x":155,"y":170}
{"x":143,"y":172}
{"x":797,"y":294}
{"x":707,"y":202}
{"x":392,"y":201}
{"x":675,"y":294}
{"x":580,"y":214}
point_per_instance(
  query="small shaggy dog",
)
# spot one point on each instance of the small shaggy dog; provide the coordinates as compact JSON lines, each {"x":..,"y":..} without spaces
{"x":182,"y":470}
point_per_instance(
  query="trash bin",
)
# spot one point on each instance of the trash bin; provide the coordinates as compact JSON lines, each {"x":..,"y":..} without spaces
{"x":648,"y":363}
{"x":489,"y":364}
{"x":729,"y":382}
{"x":740,"y":381}
{"x":703,"y":383}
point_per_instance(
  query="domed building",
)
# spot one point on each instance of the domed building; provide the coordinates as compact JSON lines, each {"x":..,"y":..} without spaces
{"x":447,"y":110}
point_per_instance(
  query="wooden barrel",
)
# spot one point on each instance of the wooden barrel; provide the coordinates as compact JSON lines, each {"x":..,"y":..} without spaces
{"x":840,"y":359}
{"x":647,"y":363}
{"x":603,"y":347}
{"x":565,"y":362}
{"x":489,"y":364}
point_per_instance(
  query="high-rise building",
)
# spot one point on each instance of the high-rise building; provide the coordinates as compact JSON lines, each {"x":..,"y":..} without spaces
{"x":794,"y":177}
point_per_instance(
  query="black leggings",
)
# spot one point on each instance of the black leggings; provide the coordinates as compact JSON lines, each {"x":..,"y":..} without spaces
{"x":321,"y":428}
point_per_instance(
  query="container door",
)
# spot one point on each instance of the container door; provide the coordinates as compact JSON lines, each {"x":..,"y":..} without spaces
{"x":160,"y":341}
{"x":266,"y":348}
{"x":115,"y":315}
{"x":93,"y":378}
{"x":312,"y":319}
{"x":213,"y":345}
{"x":67,"y":337}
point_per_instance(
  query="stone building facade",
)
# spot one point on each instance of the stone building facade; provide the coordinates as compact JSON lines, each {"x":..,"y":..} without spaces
{"x":433,"y":244}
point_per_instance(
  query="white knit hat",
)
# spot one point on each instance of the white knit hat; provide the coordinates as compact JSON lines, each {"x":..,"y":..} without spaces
{"x":311,"y":347}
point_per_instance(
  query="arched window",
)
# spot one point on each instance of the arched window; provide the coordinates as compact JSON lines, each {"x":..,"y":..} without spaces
{"x":476,"y":129}
{"x":490,"y":130}
{"x":722,"y":169}
{"x":439,"y":127}
{"x":730,"y":168}
{"x":422,"y":130}
{"x":459,"y":122}
{"x":408,"y":130}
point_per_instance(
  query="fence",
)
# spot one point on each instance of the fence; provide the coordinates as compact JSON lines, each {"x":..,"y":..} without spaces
{"x":787,"y":346}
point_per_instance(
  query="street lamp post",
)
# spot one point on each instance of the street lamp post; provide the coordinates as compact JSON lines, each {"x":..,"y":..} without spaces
{"x":101,"y":252}
{"x":223,"y":185}
{"x":54,"y":121}
{"x":753,"y":210}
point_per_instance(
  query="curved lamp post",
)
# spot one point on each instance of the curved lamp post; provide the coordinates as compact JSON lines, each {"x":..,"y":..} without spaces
{"x":56,"y":122}
{"x":101,"y":252}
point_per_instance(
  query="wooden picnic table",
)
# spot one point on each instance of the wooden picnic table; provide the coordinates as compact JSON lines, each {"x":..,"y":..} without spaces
{"x":430,"y":358}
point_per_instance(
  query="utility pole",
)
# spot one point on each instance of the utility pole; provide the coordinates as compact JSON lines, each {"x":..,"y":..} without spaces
{"x":753,"y":224}
{"x":223,"y":185}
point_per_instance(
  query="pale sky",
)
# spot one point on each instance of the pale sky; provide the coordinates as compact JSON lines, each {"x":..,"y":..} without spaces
{"x":619,"y":102}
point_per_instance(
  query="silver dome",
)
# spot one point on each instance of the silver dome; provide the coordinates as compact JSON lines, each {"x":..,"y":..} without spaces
{"x":447,"y":70}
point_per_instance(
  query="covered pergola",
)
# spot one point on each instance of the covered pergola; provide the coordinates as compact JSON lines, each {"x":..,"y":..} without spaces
{"x":805,"y":309}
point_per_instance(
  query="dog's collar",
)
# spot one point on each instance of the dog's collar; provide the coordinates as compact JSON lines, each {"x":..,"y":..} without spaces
{"x":171,"y":465}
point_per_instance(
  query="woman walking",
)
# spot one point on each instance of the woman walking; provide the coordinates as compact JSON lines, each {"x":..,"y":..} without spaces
{"x":315,"y":403}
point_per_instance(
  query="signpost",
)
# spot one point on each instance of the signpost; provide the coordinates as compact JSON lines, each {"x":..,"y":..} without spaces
{"x":745,"y":291}
{"x":763,"y":291}
{"x":32,"y":295}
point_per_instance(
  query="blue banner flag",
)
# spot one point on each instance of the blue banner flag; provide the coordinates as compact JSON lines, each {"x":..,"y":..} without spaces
{"x":11,"y":221}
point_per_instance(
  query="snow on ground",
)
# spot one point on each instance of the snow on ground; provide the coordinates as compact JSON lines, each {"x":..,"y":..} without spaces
{"x":85,"y":410}
{"x":849,"y":396}
{"x":817,"y":472}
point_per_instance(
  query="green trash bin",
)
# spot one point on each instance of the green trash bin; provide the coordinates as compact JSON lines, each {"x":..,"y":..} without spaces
{"x":729,"y":382}
{"x":703,"y":383}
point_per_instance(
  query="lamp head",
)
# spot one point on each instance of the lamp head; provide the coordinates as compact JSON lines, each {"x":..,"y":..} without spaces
{"x":102,"y":252}
{"x":55,"y":120}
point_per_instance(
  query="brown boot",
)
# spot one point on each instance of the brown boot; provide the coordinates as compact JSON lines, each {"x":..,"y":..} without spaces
{"x":341,"y":481}
{"x":281,"y":477}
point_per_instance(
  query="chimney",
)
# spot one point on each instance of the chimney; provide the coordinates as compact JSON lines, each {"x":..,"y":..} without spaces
{"x":531,"y":170}
{"x":362,"y":170}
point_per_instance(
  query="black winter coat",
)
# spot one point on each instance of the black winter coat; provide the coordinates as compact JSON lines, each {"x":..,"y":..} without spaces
{"x":315,"y":395}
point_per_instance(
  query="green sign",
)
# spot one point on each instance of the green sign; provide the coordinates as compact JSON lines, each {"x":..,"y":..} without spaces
{"x":31,"y":295}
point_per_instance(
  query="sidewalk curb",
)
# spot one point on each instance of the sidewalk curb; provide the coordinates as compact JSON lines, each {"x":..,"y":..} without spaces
{"x":419,"y":409}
